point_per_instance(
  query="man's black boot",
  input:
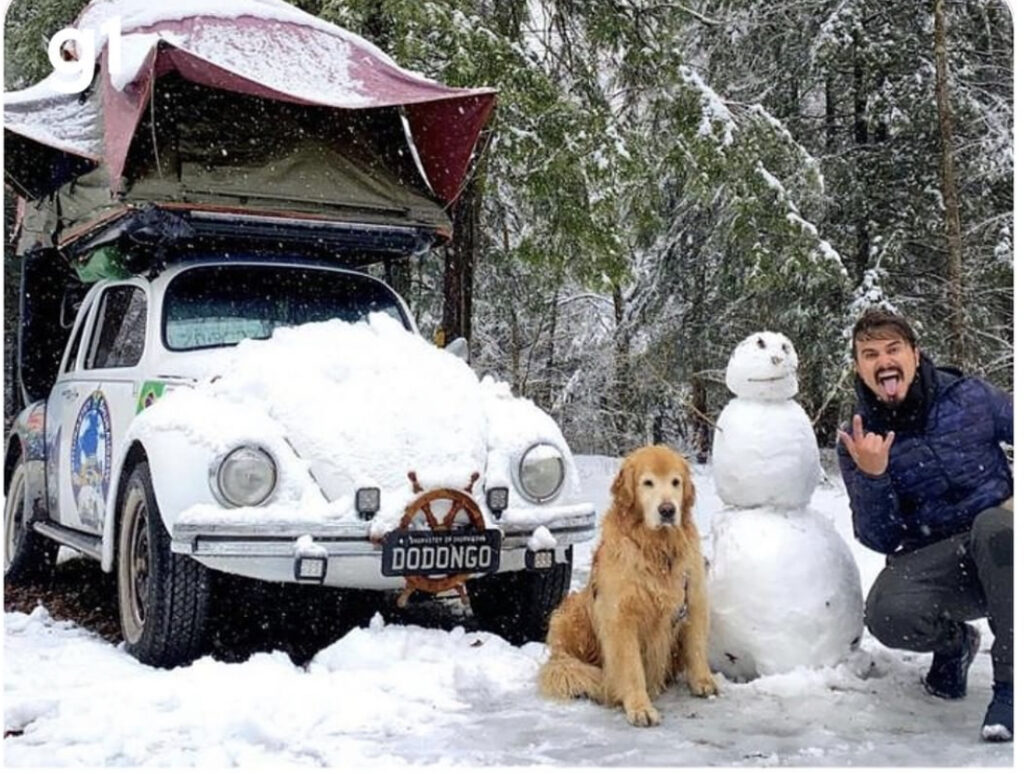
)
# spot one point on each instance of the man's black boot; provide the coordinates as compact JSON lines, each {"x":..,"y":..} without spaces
{"x":947,"y":677}
{"x":998,"y":725}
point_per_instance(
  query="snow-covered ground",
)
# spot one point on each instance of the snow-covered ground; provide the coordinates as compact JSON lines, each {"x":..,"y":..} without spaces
{"x":390,"y":694}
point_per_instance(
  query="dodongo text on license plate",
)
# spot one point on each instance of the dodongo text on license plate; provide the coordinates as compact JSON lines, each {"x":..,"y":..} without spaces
{"x":423,"y":552}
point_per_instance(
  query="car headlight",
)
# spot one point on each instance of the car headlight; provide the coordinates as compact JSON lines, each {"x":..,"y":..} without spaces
{"x":244,"y":476}
{"x":541,"y":473}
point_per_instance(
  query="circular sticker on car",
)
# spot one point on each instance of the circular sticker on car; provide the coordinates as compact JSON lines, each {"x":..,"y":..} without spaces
{"x":90,"y":459}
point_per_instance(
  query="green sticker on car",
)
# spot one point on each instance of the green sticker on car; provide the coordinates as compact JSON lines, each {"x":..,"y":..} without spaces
{"x":149,"y":394}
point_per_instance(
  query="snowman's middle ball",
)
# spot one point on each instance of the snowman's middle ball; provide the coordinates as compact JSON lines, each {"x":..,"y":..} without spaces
{"x":764,"y":452}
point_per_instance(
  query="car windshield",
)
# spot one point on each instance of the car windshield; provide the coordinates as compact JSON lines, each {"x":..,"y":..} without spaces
{"x":216,"y":306}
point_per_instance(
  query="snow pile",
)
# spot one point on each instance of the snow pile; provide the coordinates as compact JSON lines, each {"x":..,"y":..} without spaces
{"x":135,"y":50}
{"x":48,"y":115}
{"x":402,"y":695}
{"x":513,"y":426}
{"x":135,"y":14}
{"x":541,"y":539}
{"x":399,"y":683}
{"x":350,"y":405}
{"x":450,"y":670}
{"x":144,"y":14}
{"x":315,"y":62}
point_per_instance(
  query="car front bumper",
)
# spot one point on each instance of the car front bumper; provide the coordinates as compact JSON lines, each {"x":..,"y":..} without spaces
{"x":270,"y":551}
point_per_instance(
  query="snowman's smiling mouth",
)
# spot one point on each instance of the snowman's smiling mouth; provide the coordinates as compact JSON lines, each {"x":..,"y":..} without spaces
{"x":769,"y":378}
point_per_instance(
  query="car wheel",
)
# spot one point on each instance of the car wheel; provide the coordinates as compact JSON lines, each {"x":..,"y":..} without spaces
{"x":27,"y":554}
{"x":517,"y":605}
{"x":163,"y":598}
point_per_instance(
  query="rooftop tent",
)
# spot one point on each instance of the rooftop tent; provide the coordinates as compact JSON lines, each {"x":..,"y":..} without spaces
{"x":50,"y":137}
{"x":252,"y":106}
{"x":269,"y":158}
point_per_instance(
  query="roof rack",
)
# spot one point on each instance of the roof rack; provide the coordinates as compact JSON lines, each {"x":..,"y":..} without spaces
{"x":184,"y":227}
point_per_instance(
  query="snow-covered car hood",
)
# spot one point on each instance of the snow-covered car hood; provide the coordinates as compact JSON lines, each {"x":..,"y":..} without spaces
{"x":350,"y":405}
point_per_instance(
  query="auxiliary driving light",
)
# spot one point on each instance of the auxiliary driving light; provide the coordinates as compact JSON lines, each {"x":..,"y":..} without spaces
{"x":310,"y":568}
{"x":497,"y":500}
{"x":367,"y":502}
{"x":540,"y":560}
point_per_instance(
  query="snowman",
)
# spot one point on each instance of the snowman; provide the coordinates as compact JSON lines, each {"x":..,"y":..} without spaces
{"x":783,"y":585}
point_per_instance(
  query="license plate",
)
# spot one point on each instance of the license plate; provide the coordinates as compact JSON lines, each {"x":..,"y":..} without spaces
{"x":423,"y":552}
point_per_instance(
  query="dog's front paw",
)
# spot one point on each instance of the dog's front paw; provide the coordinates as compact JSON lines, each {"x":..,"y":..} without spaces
{"x":702,"y":685}
{"x":643,"y":715}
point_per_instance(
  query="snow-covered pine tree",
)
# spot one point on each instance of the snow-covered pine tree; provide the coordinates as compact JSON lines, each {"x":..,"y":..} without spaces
{"x":660,"y":179}
{"x":854,"y":80}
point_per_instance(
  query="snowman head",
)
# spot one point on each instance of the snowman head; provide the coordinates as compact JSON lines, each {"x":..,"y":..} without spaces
{"x":763,"y":367}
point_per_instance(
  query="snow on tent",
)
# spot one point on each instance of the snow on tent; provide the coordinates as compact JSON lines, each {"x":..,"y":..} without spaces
{"x":233,"y":112}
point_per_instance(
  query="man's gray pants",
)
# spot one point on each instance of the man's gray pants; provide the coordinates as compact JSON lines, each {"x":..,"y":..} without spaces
{"x":920,"y":597}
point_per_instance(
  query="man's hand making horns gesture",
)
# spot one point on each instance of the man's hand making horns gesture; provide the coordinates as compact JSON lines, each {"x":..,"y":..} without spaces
{"x":870,"y":452}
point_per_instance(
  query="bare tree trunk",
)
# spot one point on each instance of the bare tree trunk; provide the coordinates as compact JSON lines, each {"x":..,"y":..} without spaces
{"x":623,"y":404}
{"x":509,"y":17}
{"x":459,"y":261}
{"x":860,"y":136}
{"x":549,"y":370}
{"x":831,"y":124}
{"x":701,"y":435}
{"x":950,"y":200}
{"x":518,"y":377}
{"x":398,"y":274}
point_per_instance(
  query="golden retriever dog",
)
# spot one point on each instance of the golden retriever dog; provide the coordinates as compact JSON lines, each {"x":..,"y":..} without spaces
{"x":642,"y":619}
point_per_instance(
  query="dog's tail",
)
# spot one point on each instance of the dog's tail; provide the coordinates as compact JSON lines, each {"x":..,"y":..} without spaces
{"x":565,"y":677}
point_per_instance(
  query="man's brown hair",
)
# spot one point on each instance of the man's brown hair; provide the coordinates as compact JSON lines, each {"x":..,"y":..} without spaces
{"x":878,"y":323}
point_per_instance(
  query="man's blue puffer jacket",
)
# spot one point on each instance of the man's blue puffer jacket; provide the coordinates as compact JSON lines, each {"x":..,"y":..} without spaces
{"x":939,"y":480}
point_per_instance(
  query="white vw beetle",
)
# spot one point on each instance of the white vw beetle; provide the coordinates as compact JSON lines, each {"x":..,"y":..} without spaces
{"x":281,"y":419}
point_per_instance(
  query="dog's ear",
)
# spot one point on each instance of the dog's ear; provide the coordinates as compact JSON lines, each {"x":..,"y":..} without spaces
{"x":689,"y":495}
{"x":624,"y":486}
{"x":689,"y":490}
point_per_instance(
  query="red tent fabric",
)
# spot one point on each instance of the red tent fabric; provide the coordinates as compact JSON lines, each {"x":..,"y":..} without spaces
{"x":263,"y":48}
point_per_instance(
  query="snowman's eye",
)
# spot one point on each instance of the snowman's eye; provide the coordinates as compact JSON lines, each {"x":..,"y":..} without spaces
{"x":761,"y":344}
{"x":785,"y":347}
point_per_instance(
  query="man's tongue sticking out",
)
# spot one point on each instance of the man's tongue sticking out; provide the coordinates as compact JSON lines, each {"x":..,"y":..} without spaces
{"x":890,"y":382}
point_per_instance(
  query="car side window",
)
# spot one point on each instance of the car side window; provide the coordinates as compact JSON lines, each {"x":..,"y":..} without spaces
{"x":119,"y":334}
{"x":73,"y":351}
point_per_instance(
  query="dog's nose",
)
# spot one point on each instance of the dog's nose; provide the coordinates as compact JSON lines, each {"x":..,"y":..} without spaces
{"x":667,"y":511}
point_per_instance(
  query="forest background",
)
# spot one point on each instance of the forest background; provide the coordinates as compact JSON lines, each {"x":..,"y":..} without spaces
{"x":662,"y":179}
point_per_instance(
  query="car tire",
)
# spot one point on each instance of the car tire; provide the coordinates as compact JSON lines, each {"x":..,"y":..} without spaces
{"x":28,"y":556}
{"x":163,"y":598}
{"x":517,"y":605}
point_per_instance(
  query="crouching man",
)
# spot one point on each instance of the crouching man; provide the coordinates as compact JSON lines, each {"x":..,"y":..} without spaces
{"x":930,"y":486}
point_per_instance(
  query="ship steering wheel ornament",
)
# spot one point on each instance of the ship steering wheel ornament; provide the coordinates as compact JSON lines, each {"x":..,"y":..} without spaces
{"x":459,"y":502}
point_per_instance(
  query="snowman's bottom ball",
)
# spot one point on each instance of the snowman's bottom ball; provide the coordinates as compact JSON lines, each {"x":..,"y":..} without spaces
{"x":784,"y":592}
